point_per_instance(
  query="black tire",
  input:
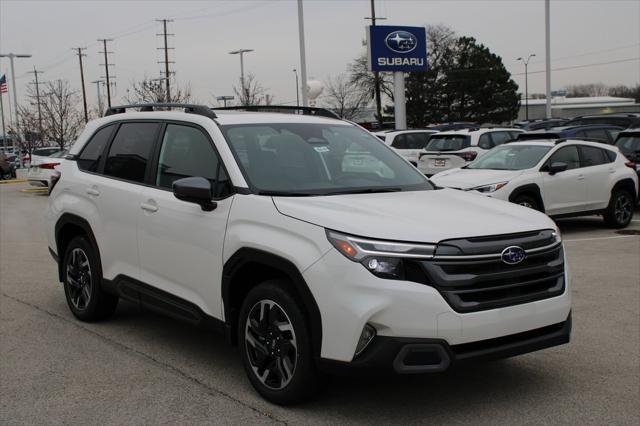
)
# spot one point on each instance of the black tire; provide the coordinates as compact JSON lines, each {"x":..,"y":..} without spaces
{"x":304,"y":380}
{"x":7,"y":175}
{"x":619,"y":212}
{"x":527,"y":201}
{"x":82,"y":287}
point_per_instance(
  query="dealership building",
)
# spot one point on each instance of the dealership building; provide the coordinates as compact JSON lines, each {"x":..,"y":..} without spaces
{"x":572,"y":107}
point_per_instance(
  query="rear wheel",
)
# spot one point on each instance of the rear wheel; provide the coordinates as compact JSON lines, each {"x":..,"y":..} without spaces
{"x":527,"y":201}
{"x":275,"y":345}
{"x":82,"y":276}
{"x":7,"y":175}
{"x":619,"y":212}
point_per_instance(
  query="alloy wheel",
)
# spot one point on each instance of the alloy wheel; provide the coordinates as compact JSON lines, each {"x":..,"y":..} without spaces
{"x":623,"y":209}
{"x":271,"y":345}
{"x":79,"y":279}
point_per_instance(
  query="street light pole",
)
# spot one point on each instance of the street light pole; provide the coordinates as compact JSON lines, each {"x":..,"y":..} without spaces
{"x":241,"y":52}
{"x":297,"y":89}
{"x":526,"y":83}
{"x":15,"y":92}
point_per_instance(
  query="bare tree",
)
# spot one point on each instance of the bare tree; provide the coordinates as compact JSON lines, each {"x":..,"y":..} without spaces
{"x":587,"y":90}
{"x":365,"y":81}
{"x":344,"y":96}
{"x":27,"y":129}
{"x":61,"y":117}
{"x":253,"y":93}
{"x":153,"y":91}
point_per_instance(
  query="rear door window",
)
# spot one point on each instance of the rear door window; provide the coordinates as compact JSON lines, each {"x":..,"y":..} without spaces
{"x":400,"y":142}
{"x":592,"y":156}
{"x":485,"y":141}
{"x":130,"y":151}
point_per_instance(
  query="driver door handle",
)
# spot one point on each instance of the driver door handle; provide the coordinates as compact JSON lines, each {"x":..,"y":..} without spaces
{"x":93,"y":191}
{"x":149,"y":206}
{"x":580,"y":177}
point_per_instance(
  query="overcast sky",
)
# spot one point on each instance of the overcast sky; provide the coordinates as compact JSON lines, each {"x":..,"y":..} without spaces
{"x":583,"y":33}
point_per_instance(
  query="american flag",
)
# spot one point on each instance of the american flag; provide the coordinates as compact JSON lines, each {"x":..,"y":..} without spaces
{"x":3,"y":84}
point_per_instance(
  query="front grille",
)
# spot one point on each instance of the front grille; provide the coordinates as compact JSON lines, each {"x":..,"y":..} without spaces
{"x":471,"y":275}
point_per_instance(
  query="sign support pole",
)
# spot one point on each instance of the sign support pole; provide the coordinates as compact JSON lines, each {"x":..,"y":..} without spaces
{"x":400,"y":109}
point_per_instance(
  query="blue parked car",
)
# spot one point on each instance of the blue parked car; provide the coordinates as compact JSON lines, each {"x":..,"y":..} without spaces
{"x":597,"y":132}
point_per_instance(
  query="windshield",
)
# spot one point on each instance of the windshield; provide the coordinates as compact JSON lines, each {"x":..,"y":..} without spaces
{"x":629,"y":144}
{"x":448,"y":142}
{"x":318,"y":159}
{"x":511,"y":157}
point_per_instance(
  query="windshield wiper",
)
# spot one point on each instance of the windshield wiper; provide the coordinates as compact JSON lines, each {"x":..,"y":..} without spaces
{"x":363,"y":191}
{"x":285,"y":194}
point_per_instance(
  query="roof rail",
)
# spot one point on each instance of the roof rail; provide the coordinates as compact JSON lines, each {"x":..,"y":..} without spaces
{"x":188,"y":108}
{"x":302,"y":110}
{"x":579,"y":139}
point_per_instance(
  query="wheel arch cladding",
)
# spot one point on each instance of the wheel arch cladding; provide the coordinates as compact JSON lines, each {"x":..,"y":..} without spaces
{"x":531,"y":190}
{"x":627,"y":184}
{"x":249,"y":267}
{"x":68,"y":227}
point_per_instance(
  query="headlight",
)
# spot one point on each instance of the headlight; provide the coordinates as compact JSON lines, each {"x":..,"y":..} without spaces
{"x":382,"y":258}
{"x":489,"y":188}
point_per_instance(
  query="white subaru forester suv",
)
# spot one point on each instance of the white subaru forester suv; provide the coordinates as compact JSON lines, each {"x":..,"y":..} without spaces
{"x":313,"y":246}
{"x":565,"y":177}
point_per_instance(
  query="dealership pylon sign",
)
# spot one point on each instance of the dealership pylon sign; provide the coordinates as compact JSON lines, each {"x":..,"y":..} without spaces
{"x":397,"y":49}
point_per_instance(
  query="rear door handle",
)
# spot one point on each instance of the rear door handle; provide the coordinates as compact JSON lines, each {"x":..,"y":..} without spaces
{"x":580,"y":177}
{"x":149,"y":206}
{"x":93,"y":191}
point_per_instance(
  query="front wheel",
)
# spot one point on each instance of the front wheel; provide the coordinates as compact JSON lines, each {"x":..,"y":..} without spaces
{"x":275,"y":345}
{"x":619,"y":212}
{"x":526,"y":201}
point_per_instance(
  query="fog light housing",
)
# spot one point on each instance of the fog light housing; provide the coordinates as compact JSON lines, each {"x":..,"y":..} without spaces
{"x":385,"y":267}
{"x":367,"y":335}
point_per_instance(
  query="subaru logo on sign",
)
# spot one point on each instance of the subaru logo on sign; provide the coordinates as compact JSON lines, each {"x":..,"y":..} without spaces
{"x":513,"y":255}
{"x":401,"y":41}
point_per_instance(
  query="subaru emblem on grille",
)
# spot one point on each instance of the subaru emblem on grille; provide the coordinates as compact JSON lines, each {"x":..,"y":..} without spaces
{"x":513,"y":255}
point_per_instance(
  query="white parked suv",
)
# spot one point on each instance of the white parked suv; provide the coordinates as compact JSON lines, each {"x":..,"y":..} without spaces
{"x":409,"y":143}
{"x":262,"y":225}
{"x":566,"y":177}
{"x":448,"y":150}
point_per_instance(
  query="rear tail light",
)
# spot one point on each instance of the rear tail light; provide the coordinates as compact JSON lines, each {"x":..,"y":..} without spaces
{"x":468,"y":155}
{"x":49,"y":166}
{"x":54,"y":179}
{"x":631,"y":164}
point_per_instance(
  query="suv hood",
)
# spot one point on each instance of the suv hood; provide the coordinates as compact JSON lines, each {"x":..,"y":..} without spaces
{"x":417,"y":216}
{"x":471,"y":178}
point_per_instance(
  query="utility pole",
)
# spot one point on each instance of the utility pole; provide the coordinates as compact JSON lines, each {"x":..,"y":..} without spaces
{"x":106,"y":67}
{"x":11,"y":56}
{"x":547,"y":44}
{"x":35,"y":73}
{"x":376,"y":75}
{"x":166,"y":48}
{"x":100,"y":106}
{"x":303,"y":59}
{"x":84,"y":93}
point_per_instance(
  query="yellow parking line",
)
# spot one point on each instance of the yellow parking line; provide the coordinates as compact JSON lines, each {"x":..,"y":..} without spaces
{"x":34,"y":190}
{"x":14,"y":181}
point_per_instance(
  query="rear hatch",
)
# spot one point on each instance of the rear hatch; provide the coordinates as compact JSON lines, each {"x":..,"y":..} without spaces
{"x":445,"y":152}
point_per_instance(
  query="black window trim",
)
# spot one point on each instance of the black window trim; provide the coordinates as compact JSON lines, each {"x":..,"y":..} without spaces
{"x":155,"y":158}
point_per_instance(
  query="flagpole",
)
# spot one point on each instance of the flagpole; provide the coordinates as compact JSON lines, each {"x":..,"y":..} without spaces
{"x":4,"y":133}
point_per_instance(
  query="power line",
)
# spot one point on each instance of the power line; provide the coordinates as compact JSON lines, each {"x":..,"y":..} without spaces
{"x":35,"y":73}
{"x":584,"y":65}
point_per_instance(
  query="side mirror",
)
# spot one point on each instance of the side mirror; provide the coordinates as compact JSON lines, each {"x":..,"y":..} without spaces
{"x":557,"y":168}
{"x":195,"y":190}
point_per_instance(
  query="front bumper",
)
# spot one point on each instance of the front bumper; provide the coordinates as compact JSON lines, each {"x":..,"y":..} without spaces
{"x":350,"y":297}
{"x":415,"y":356}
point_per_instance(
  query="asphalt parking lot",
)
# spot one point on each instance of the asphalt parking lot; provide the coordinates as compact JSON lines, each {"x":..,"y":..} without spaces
{"x":140,"y":368}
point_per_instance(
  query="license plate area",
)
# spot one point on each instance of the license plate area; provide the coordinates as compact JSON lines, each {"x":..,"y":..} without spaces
{"x":439,"y":162}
